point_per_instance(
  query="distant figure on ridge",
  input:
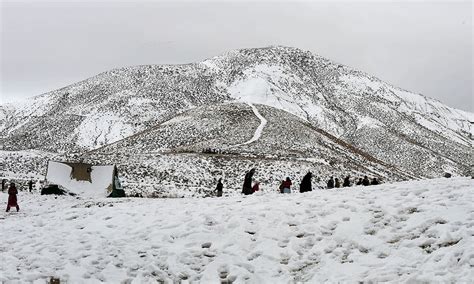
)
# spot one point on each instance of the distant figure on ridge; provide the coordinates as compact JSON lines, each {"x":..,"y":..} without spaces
{"x":247,"y":187}
{"x":366,"y":181}
{"x":359,"y":182}
{"x":346,"y":182}
{"x":30,"y":185}
{"x":331,"y":182}
{"x":219,"y":187}
{"x":4,"y":181}
{"x":305,"y":185}
{"x":337,"y":184}
{"x":12,"y":200}
{"x":375,"y":181}
{"x":287,"y":185}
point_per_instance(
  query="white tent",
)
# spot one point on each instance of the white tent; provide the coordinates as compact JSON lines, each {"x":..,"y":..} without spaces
{"x":83,"y":179}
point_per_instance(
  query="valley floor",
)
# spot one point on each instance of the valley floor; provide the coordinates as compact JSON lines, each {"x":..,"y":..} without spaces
{"x":418,"y":230}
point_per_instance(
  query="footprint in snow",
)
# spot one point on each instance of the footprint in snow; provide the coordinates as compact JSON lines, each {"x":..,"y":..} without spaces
{"x":224,"y":275}
{"x":300,"y":235}
{"x":309,"y":243}
{"x":72,"y":217}
{"x":283,"y":243}
{"x":344,"y":206}
{"x":370,"y":231}
{"x":223,"y":271}
{"x":254,"y":255}
{"x":209,"y":221}
{"x":284,"y":259}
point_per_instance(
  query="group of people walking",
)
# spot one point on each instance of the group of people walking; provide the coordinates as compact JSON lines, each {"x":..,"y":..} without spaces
{"x":286,"y":184}
{"x":305,"y":185}
{"x":247,"y":188}
{"x":335,"y":183}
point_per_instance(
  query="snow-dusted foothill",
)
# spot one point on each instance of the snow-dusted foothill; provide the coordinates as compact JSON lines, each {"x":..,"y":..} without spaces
{"x":410,"y":232}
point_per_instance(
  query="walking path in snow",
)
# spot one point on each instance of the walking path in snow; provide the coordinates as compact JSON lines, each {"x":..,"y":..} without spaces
{"x":258,"y":131}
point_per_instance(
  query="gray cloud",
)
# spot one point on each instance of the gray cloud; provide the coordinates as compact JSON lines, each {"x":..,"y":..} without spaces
{"x":425,"y":47}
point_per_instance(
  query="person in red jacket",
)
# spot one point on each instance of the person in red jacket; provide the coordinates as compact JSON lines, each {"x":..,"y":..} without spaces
{"x":256,"y":186}
{"x":287,"y":185}
{"x":12,"y":201}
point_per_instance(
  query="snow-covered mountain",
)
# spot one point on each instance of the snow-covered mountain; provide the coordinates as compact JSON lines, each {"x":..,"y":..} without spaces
{"x":335,"y":118}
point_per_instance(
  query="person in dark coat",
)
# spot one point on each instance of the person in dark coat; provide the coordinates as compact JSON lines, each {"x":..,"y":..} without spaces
{"x":366,"y":181}
{"x":12,"y":200}
{"x":305,"y":184}
{"x":287,"y":185}
{"x":30,"y":185}
{"x":4,"y":184}
{"x":347,"y":182}
{"x":247,"y":187}
{"x":219,"y":188}
{"x":374,"y":181}
{"x":337,"y":183}
{"x":331,"y":183}
{"x":359,"y":182}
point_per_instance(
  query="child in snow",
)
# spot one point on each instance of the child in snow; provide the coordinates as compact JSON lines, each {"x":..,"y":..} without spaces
{"x":12,"y":201}
{"x":256,"y":186}
{"x":287,"y":185}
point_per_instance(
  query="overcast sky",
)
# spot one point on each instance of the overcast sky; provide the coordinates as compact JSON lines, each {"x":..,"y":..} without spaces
{"x":425,"y":47}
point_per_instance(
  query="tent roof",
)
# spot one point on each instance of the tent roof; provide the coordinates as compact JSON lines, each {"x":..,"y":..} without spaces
{"x":93,"y":181}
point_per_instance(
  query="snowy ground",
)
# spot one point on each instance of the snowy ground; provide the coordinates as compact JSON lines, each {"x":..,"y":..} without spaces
{"x":411,"y":231}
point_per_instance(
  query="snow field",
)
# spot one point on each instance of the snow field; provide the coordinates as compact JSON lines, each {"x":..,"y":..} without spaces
{"x":411,"y":231}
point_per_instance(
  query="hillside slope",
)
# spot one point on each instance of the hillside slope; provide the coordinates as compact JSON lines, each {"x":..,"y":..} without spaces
{"x":398,"y":128}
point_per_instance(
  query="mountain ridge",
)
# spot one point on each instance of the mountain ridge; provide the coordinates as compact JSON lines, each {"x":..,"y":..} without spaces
{"x":421,"y":136}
